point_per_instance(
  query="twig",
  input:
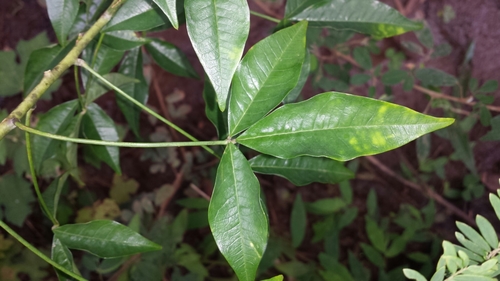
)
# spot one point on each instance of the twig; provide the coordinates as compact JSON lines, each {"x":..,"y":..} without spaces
{"x":124,"y":267}
{"x":199,"y":191}
{"x":431,"y":193}
{"x":52,"y":75}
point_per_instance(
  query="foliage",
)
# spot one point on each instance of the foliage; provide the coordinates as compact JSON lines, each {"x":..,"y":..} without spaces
{"x":251,"y":100}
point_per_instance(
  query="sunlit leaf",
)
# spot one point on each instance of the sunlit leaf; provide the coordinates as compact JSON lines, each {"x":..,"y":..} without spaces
{"x":218,"y":31}
{"x":104,"y":238}
{"x":236,"y":214}
{"x":364,"y":16}
{"x":98,"y":125}
{"x":62,"y":14}
{"x":302,"y":170}
{"x":267,"y":73}
{"x":338,"y":126}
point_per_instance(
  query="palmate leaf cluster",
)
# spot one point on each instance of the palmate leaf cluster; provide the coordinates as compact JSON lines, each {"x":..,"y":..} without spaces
{"x":475,"y":259}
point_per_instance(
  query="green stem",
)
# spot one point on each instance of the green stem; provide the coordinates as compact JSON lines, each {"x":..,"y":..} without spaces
{"x":52,"y":75}
{"x":98,"y":46}
{"x":83,"y":64}
{"x":77,"y":84}
{"x":120,"y":144}
{"x":33,"y":173}
{"x":265,"y":17}
{"x":38,"y":253}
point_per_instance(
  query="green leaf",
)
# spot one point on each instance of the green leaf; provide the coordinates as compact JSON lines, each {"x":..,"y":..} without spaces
{"x":54,"y":121}
{"x":236,"y":214}
{"x":326,"y":206}
{"x":97,"y":88}
{"x":413,"y":275}
{"x":10,"y":74}
{"x":193,"y":203}
{"x":62,"y":256}
{"x":472,"y":277}
{"x":442,"y":50}
{"x":15,"y":198}
{"x":294,"y":7}
{"x":218,"y":31}
{"x":487,"y":231}
{"x":494,"y":134}
{"x":298,"y":221}
{"x":98,"y":125}
{"x":488,"y":87}
{"x":169,"y":7}
{"x":304,"y":74}
{"x":373,"y":255}
{"x":104,"y":238}
{"x":439,"y":275}
{"x":170,"y":58}
{"x":212,"y":110}
{"x":376,"y":235}
{"x":132,"y":67}
{"x":362,"y":57}
{"x":123,"y":40}
{"x":393,"y":77}
{"x":41,"y":60}
{"x":52,"y":194}
{"x":338,"y":126}
{"x":267,"y":73}
{"x":275,"y":278}
{"x":302,"y":170}
{"x":137,"y":15}
{"x":62,"y":14}
{"x":460,"y":142}
{"x":435,"y":77}
{"x":469,"y":245}
{"x":425,"y":37}
{"x":364,"y":16}
{"x":475,"y":237}
{"x":359,"y":79}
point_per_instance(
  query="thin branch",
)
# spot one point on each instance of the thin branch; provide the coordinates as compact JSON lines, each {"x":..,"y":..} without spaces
{"x":431,"y":193}
{"x":52,"y":75}
{"x":199,"y":191}
{"x":176,"y":185}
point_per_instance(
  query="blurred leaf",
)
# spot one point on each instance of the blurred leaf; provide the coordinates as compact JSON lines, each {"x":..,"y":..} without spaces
{"x":425,"y":37}
{"x":218,"y":31}
{"x":376,"y":235}
{"x":304,"y":74}
{"x":371,"y":204}
{"x":62,"y":14}
{"x":360,"y":79}
{"x":359,"y":272}
{"x":293,"y":268}
{"x":413,"y":47}
{"x":104,"y":238}
{"x":239,"y":227}
{"x":275,"y":278}
{"x":169,"y":7}
{"x":132,"y":66}
{"x":362,"y":57}
{"x":326,"y":206}
{"x":393,"y":77}
{"x":97,"y":125}
{"x":294,"y":7}
{"x":494,"y":134}
{"x":488,"y":87}
{"x":15,"y":197}
{"x":442,"y":50}
{"x":413,"y":275}
{"x":435,"y":77}
{"x":54,"y":121}
{"x":137,"y":15}
{"x":298,"y":221}
{"x":122,"y":188}
{"x":373,"y":255}
{"x":398,"y":245}
{"x":369,"y":17}
{"x":302,"y":170}
{"x":290,"y":130}
{"x":193,"y":203}
{"x":212,"y":110}
{"x":461,"y":144}
{"x":170,"y":58}
{"x":123,"y":40}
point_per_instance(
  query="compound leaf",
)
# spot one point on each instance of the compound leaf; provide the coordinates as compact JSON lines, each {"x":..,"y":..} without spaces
{"x":104,"y":238}
{"x":338,"y":126}
{"x":236,"y":214}
{"x":169,"y":7}
{"x":61,"y":255}
{"x":364,"y":16}
{"x":212,"y":110}
{"x":267,"y":73}
{"x":98,"y":125}
{"x":488,"y":231}
{"x":435,"y":77}
{"x":54,"y":121}
{"x":218,"y":31}
{"x":138,"y":15}
{"x":15,"y":196}
{"x":62,"y":14}
{"x":170,"y":58}
{"x":97,"y":88}
{"x":302,"y":170}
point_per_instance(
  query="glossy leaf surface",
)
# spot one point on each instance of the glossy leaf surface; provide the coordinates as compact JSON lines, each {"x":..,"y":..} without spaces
{"x":62,"y":14}
{"x":304,"y":74}
{"x":267,"y":73}
{"x":302,"y":170}
{"x":138,"y":15}
{"x":236,"y":214}
{"x":61,"y":255}
{"x":212,"y":110}
{"x":98,"y":125}
{"x":218,"y":31}
{"x":104,"y":238}
{"x":54,"y":121}
{"x":169,"y":7}
{"x":123,"y":40}
{"x":170,"y":58}
{"x":132,"y":67}
{"x":339,"y":126}
{"x":364,"y":16}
